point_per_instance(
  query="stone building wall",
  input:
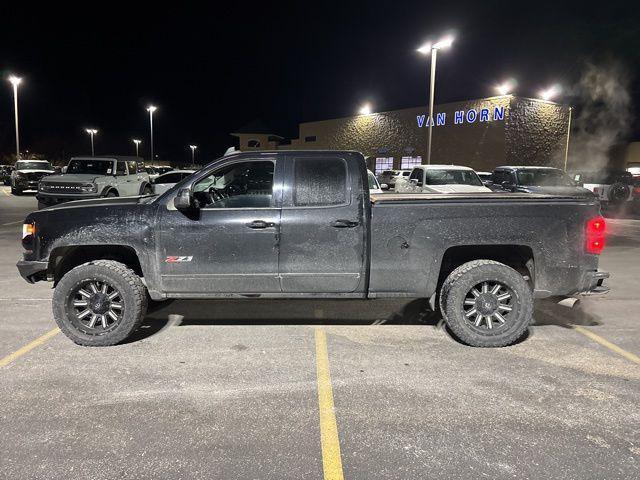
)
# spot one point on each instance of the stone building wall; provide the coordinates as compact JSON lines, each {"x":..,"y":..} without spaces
{"x":482,"y":133}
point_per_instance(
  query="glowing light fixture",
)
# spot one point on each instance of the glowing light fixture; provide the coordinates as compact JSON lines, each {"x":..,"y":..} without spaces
{"x":365,"y":109}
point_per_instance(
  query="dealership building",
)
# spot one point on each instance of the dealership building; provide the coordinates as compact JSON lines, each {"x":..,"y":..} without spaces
{"x":481,"y":134}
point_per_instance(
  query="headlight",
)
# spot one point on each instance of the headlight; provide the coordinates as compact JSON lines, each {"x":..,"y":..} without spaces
{"x":89,"y":188}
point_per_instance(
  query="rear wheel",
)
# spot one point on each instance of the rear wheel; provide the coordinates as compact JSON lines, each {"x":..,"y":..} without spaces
{"x":147,"y":190}
{"x":486,"y":304}
{"x":111,"y":194}
{"x":16,"y":191}
{"x":99,"y":303}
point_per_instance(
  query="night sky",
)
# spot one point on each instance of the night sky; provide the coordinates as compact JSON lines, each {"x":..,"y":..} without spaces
{"x":210,"y":71}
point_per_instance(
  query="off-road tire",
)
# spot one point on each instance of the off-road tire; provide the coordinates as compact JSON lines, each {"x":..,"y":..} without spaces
{"x":147,"y":190}
{"x":458,"y":284}
{"x":16,"y":191}
{"x":121,"y":277}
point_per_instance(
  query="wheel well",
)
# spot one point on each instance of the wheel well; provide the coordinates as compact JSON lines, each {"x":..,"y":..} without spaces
{"x":518,"y":257}
{"x":107,"y":190}
{"x":64,"y":259}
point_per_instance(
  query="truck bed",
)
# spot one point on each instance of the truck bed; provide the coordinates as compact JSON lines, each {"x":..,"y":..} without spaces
{"x":413,"y":234}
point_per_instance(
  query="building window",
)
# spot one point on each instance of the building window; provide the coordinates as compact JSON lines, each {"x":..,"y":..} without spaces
{"x":310,"y":138}
{"x":383,"y":163}
{"x":409,"y":162}
{"x":253,"y":143}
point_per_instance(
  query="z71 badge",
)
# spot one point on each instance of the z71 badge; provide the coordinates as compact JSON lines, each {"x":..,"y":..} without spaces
{"x":172,"y":259}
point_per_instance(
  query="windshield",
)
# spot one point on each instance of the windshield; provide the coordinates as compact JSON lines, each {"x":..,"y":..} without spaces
{"x":94,"y":167}
{"x":452,"y":177}
{"x":543,"y":177}
{"x":33,"y":165}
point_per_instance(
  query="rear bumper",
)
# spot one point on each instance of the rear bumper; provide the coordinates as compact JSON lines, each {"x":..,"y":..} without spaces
{"x":593,"y":283}
{"x":32,"y":271}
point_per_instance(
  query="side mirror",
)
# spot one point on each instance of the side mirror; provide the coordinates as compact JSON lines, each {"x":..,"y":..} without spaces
{"x":184,"y":200}
{"x":384,"y":186}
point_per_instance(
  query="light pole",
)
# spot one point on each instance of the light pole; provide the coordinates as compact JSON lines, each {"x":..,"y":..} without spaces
{"x":92,"y":132}
{"x":137,"y":142}
{"x":193,"y":154}
{"x":15,"y":81}
{"x":425,"y":50}
{"x":151,"y":109}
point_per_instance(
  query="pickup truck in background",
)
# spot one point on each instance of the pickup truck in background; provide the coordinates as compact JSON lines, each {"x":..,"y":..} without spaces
{"x":303,"y":224}
{"x":533,"y":179}
{"x":27,"y":174}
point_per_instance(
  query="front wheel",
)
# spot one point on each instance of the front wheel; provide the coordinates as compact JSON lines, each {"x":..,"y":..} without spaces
{"x":486,"y":304}
{"x":99,"y":303}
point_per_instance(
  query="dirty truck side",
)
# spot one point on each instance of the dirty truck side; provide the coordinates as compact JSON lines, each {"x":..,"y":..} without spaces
{"x":303,"y":224}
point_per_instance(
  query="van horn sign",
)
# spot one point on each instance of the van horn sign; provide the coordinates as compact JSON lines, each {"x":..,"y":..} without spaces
{"x":461,"y":116}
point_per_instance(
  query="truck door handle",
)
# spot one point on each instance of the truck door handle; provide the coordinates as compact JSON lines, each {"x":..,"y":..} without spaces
{"x":341,"y":223}
{"x":259,"y":224}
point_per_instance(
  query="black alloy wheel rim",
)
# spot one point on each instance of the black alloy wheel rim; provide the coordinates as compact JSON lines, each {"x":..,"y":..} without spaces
{"x":95,"y":307}
{"x":489,"y":307}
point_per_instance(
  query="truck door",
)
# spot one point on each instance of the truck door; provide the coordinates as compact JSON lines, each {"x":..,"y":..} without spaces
{"x":230,"y":245}
{"x":322,"y":239}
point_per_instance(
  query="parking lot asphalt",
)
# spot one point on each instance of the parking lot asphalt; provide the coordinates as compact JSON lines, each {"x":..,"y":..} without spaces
{"x":259,"y":389}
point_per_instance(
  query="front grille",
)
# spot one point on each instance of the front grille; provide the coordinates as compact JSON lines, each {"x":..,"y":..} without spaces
{"x":34,"y":176}
{"x":61,"y":187}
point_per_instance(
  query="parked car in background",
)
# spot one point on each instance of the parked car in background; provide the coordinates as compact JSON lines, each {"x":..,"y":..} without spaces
{"x":614,"y":188}
{"x":155,"y":171}
{"x":167,"y":180}
{"x":374,"y":185}
{"x":634,"y":169}
{"x":485,"y":177}
{"x":94,"y":177}
{"x":5,"y":174}
{"x":533,"y":179}
{"x":390,"y":177}
{"x":27,"y":174}
{"x":441,"y":179}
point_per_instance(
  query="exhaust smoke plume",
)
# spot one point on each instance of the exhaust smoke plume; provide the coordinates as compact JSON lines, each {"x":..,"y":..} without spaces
{"x":602,"y":117}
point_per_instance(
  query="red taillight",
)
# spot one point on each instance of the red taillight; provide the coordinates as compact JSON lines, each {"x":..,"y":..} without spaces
{"x":595,"y":235}
{"x":636,"y":192}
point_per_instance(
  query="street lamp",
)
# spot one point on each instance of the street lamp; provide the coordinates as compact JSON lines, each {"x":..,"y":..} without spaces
{"x":550,"y":92}
{"x":137,"y":142}
{"x":193,"y":154}
{"x":151,"y":109}
{"x":505,"y":88}
{"x":15,"y":81}
{"x":365,"y":109}
{"x":425,"y":50}
{"x":92,"y":132}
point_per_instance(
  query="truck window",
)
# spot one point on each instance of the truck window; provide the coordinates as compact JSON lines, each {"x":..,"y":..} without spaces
{"x":132,"y":167}
{"x":237,"y":185}
{"x":320,"y":182}
{"x":121,"y":168}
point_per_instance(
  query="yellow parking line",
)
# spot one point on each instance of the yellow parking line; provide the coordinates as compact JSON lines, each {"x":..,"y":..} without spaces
{"x":606,"y":343}
{"x":27,"y":348}
{"x":6,"y":192}
{"x":331,"y":461}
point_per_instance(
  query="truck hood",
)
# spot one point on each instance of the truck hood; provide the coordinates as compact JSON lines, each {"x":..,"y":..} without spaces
{"x":33,"y":171}
{"x":72,"y":178}
{"x":454,"y":189}
{"x":100,"y":202}
{"x":559,"y":190}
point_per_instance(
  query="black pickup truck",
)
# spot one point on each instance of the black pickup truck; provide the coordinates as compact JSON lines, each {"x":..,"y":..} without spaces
{"x":300,"y":224}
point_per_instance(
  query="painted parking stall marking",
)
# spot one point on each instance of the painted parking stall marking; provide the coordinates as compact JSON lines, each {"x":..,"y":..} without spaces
{"x":28,"y":347}
{"x":331,"y":459}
